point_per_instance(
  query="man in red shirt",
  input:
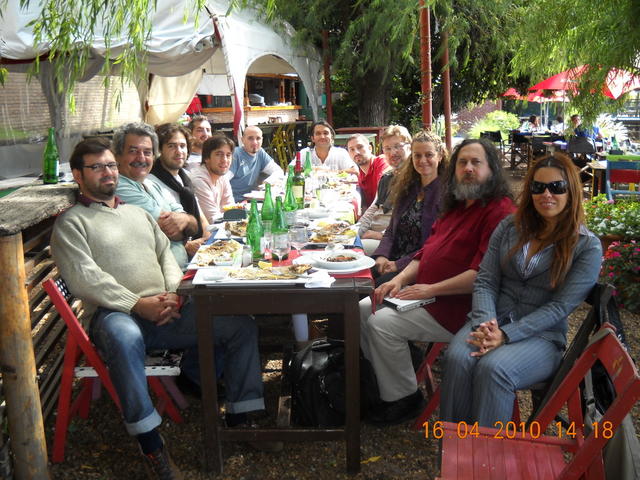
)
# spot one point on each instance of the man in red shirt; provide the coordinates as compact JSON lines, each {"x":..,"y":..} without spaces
{"x":370,"y":168}
{"x":476,"y":198}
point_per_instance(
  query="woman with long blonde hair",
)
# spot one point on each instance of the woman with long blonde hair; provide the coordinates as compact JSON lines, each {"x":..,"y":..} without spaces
{"x":415,"y":194}
{"x":540,"y":265}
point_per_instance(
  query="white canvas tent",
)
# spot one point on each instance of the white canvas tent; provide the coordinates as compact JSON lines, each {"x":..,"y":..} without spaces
{"x":179,"y":52}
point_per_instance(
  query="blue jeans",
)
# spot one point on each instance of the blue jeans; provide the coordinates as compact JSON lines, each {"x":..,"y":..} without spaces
{"x":123,"y":339}
{"x":482,"y":389}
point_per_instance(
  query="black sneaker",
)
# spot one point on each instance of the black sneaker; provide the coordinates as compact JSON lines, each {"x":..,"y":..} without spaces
{"x":160,"y":466}
{"x":400,"y":411}
{"x":272,"y":446}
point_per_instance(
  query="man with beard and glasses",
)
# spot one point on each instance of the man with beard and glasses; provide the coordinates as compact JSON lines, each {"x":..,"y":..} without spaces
{"x":200,"y":131}
{"x":116,"y":259}
{"x":251,"y":163}
{"x":476,"y":198}
{"x":136,"y":147}
{"x":168,"y":172}
{"x":396,"y":147}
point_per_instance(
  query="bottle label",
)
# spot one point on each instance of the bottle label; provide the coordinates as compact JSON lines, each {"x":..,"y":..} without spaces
{"x":298,"y":191}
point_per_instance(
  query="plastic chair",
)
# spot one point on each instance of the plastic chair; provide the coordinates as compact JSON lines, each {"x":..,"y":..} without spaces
{"x":159,"y":376}
{"x":526,"y":452}
{"x":622,"y":172}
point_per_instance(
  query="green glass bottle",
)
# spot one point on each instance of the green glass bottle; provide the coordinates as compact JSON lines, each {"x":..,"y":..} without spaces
{"x":279,"y":232}
{"x":279,"y":224}
{"x":267,"y":207}
{"x":308,"y":166}
{"x":254,"y":231}
{"x":297,"y":184}
{"x":290,"y":174}
{"x":50,"y":159}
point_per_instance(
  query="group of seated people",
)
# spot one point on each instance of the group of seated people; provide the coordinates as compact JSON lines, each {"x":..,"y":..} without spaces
{"x":575,"y":128}
{"x":504,"y":277}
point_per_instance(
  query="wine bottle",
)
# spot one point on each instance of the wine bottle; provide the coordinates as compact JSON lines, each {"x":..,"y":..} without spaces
{"x":50,"y":159}
{"x":297,"y":184}
{"x":308,"y":167}
{"x":254,"y":231}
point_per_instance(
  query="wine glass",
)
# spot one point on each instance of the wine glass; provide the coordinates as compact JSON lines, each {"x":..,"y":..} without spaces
{"x":280,"y":246}
{"x":298,"y":236}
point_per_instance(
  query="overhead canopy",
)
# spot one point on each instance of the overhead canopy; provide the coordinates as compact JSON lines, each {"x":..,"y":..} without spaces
{"x":231,"y":45}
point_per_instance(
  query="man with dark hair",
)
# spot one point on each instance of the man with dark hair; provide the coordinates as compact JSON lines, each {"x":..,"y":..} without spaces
{"x":210,"y":182}
{"x":324,"y":153}
{"x":476,"y":198}
{"x":168,"y":173}
{"x":116,"y":259}
{"x":370,"y":167}
{"x":200,"y":130}
{"x":251,"y":163}
{"x":136,"y":147}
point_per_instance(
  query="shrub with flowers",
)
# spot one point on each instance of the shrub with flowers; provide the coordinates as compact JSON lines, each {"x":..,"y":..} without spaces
{"x":621,"y":267}
{"x":608,"y":217}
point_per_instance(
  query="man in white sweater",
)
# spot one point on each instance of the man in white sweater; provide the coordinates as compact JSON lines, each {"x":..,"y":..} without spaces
{"x":117,"y":260}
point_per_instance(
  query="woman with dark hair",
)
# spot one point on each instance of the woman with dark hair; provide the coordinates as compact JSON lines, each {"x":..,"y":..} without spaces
{"x":540,"y":264}
{"x":415,"y":195}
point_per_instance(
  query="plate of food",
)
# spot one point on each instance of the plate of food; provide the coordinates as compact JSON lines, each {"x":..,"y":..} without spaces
{"x":362,"y":263}
{"x":236,"y":229}
{"x":220,"y":252}
{"x":264,"y":274}
{"x":338,"y":260}
{"x":336,"y":232}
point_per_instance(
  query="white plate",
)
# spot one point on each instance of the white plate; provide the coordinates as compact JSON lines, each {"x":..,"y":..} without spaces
{"x":314,"y":213}
{"x":203,"y":277}
{"x":322,"y":260}
{"x":364,"y":263}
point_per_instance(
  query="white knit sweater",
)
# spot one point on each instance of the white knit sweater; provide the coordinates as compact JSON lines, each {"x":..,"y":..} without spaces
{"x":110,"y":257}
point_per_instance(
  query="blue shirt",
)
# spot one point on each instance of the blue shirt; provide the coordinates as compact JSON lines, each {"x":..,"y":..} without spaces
{"x":245,"y":169}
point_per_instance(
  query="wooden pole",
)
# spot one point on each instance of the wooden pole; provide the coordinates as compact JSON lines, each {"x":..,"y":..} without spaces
{"x":327,"y":74}
{"x":425,"y":62}
{"x":18,"y":367}
{"x":446,"y":85}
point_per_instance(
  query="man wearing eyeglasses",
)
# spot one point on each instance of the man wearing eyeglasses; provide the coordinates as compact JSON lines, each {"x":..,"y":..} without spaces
{"x":116,"y":259}
{"x":136,"y":147}
{"x":396,"y":147}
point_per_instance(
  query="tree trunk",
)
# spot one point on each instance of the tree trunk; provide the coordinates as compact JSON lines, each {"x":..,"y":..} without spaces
{"x":374,"y":98}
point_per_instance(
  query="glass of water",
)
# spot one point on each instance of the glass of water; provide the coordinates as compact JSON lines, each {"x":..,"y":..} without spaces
{"x":280,"y":246}
{"x":298,"y":236}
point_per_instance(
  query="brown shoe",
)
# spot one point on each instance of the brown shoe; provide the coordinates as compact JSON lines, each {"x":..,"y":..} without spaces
{"x":160,"y":466}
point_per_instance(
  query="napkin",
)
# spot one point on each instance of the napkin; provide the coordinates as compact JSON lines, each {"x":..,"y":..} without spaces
{"x":319,"y":279}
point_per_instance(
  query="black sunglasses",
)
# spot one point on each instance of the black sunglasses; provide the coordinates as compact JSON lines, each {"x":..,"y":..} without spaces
{"x":557,"y":188}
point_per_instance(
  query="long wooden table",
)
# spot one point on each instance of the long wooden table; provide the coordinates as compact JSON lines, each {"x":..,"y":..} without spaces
{"x":341,"y":298}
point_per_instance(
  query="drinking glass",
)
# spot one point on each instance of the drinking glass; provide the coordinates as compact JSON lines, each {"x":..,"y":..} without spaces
{"x":298,"y":236}
{"x":280,"y":245}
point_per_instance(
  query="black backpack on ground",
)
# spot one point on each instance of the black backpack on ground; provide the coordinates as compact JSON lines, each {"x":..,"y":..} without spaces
{"x":317,"y":378}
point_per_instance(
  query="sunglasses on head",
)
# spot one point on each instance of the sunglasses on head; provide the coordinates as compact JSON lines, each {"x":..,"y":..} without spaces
{"x":557,"y":188}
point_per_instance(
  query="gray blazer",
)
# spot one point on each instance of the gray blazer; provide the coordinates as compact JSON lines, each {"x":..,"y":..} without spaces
{"x":527,"y":306}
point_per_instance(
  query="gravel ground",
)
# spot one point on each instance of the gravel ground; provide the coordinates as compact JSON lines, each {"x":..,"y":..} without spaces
{"x":99,"y":448}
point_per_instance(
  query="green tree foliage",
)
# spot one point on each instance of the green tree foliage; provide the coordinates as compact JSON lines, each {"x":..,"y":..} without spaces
{"x":555,"y":35}
{"x":70,"y":27}
{"x":375,"y":47}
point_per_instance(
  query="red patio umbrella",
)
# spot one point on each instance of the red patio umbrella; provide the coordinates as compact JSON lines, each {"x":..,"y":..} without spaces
{"x":617,"y":83}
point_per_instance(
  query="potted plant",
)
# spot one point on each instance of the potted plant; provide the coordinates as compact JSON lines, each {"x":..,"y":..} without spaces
{"x":613,"y":220}
{"x":621,"y":267}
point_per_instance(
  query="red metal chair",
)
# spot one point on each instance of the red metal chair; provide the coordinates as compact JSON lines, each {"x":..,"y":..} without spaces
{"x":78,"y":343}
{"x":425,"y":374}
{"x":525,"y":452}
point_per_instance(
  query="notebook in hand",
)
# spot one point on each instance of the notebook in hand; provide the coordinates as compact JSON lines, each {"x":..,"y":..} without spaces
{"x":405,"y":305}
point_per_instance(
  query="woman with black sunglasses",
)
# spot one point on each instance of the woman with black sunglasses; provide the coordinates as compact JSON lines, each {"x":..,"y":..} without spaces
{"x":540,"y":265}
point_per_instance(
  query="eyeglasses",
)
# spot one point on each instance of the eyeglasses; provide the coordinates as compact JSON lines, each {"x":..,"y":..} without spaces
{"x":397,"y":147}
{"x":557,"y":188}
{"x":101,"y":167}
